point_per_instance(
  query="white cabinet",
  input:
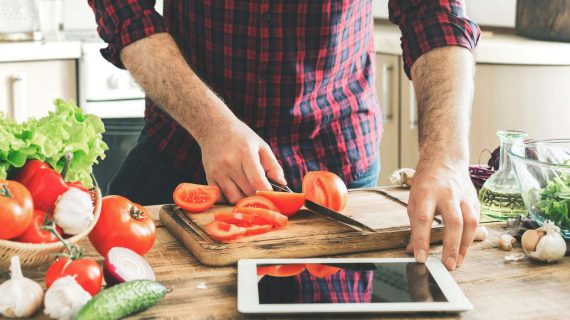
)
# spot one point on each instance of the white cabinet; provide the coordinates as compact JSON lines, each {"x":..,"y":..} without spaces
{"x":27,"y":89}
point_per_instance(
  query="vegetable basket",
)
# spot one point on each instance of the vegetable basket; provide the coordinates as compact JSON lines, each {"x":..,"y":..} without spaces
{"x":32,"y":254}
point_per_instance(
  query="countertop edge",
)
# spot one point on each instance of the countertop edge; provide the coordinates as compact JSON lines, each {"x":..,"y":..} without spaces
{"x":39,"y":51}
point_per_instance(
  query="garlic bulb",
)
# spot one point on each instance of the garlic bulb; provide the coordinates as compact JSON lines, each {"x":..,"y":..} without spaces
{"x":402,"y":177}
{"x":20,"y":297}
{"x":550,"y":245}
{"x":65,"y":298}
{"x":481,"y":233}
{"x":74,"y":211}
{"x":506,"y":242}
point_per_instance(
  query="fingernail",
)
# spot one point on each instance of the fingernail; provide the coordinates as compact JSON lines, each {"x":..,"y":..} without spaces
{"x":421,"y":256}
{"x":450,"y":263}
{"x":460,"y":260}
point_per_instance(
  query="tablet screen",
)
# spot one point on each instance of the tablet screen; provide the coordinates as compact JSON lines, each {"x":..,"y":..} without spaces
{"x":347,"y":283}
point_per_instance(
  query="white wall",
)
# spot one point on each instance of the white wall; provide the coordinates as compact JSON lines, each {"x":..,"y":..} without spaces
{"x":497,"y":13}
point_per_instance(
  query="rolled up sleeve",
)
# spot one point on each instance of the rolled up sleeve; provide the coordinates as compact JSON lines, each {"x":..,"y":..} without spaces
{"x":427,"y":24}
{"x":122,"y":22}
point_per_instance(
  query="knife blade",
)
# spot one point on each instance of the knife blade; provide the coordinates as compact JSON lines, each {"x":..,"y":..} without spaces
{"x":337,"y":216}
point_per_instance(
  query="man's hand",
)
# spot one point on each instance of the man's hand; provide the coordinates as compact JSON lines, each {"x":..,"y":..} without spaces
{"x":443,"y":80}
{"x":234,"y":157}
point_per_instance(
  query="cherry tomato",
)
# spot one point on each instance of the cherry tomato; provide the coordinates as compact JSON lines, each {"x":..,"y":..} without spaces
{"x":325,"y":188}
{"x":35,"y":232}
{"x":282,"y":270}
{"x":123,"y":224}
{"x":267,"y":216}
{"x":287,"y":203}
{"x":257,"y":229}
{"x":257,"y":202}
{"x":222,"y":231}
{"x":16,"y":209}
{"x":88,"y":273}
{"x":194,"y":197}
{"x":320,"y":270}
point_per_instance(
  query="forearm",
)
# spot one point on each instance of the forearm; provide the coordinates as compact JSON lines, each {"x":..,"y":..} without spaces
{"x":443,"y":81}
{"x":158,"y":66}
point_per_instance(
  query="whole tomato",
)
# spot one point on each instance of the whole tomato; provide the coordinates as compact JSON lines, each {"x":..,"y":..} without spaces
{"x":123,"y":224}
{"x":36,"y":233}
{"x":16,"y":209}
{"x":88,"y":273}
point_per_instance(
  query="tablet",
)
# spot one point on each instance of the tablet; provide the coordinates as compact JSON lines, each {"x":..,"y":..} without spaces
{"x":362,"y":285}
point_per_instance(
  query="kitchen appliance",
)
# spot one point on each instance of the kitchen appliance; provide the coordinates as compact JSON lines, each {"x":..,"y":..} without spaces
{"x":307,"y":234}
{"x":19,"y":20}
{"x":113,"y":95}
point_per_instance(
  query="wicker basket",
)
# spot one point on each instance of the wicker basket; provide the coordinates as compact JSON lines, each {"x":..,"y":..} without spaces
{"x":32,"y":254}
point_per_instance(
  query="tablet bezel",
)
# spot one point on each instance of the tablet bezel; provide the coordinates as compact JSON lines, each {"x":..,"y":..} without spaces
{"x":248,"y":297}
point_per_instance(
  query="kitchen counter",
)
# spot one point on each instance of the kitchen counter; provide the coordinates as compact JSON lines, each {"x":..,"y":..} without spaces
{"x":497,"y":289}
{"x":35,"y":51}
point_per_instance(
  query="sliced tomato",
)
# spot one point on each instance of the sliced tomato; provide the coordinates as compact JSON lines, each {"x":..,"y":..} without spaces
{"x":257,"y":229}
{"x":257,"y":202}
{"x":325,"y":188}
{"x":265,"y":216}
{"x":238,"y":218}
{"x":282,"y":270}
{"x":287,"y":203}
{"x":321,"y":270}
{"x":195,"y":197}
{"x":222,"y":231}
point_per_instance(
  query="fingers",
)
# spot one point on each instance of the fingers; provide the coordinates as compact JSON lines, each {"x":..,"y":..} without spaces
{"x":452,"y":234}
{"x":270,"y":165}
{"x":255,"y":173}
{"x":421,"y":218}
{"x":470,"y":223}
{"x":230,"y":190}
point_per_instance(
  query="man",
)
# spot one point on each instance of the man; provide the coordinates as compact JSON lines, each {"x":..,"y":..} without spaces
{"x":238,"y":91}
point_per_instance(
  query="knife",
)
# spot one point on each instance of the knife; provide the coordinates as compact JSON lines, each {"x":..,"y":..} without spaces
{"x":324,"y":211}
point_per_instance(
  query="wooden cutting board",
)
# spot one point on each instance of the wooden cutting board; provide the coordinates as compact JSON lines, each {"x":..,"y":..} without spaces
{"x":307,"y":235}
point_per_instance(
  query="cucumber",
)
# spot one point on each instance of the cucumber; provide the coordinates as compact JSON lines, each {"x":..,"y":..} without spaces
{"x":122,"y":300}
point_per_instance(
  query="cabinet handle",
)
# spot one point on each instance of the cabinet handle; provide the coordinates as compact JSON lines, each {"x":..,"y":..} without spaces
{"x":19,"y":98}
{"x":387,"y":93}
{"x":413,"y":109}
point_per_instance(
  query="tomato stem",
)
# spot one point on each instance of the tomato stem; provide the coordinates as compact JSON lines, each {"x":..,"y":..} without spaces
{"x":74,"y":252}
{"x":136,"y":213}
{"x":5,"y":192}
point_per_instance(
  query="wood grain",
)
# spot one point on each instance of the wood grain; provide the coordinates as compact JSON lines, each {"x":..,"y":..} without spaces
{"x":545,"y":20}
{"x":307,"y":235}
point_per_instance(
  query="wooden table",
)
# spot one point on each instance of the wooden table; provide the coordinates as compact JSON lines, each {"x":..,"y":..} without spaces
{"x":497,"y":289}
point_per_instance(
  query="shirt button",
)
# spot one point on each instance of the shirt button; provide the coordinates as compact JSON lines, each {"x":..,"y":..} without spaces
{"x":263,"y":76}
{"x":267,"y":16}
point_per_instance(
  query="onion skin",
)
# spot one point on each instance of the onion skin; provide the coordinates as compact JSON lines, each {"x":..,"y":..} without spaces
{"x":115,"y":270}
{"x":110,"y":274}
{"x":530,"y":239}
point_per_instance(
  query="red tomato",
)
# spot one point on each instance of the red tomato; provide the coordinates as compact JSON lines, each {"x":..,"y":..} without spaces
{"x":325,"y":188}
{"x":123,"y":224}
{"x":257,"y":202}
{"x":35,"y":232}
{"x":88,"y":273}
{"x":257,"y":229}
{"x":287,"y":203}
{"x":267,"y":216}
{"x":320,"y":270}
{"x":222,"y":231}
{"x":237,"y":218}
{"x":16,"y":209}
{"x":194,"y":197}
{"x":282,"y":270}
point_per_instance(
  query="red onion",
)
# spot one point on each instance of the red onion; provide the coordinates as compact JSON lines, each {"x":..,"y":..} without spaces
{"x":122,"y":265}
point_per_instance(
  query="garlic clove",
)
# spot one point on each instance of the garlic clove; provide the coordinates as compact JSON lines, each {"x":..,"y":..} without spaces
{"x":506,"y":242}
{"x":20,"y":297}
{"x":529,"y":240}
{"x":481,"y":233}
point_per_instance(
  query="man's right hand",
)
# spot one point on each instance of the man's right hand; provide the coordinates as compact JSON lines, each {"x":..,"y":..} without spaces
{"x":238,"y":161}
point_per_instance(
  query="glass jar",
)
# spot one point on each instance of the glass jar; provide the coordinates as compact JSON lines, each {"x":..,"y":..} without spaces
{"x":500,"y":196}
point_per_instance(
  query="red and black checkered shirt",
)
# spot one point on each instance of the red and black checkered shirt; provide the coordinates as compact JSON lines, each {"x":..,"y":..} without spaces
{"x":299,"y":72}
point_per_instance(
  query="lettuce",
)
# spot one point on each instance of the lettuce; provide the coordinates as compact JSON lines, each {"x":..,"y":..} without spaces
{"x":67,"y":129}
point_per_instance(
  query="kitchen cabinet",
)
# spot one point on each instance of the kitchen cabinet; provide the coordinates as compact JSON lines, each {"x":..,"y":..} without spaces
{"x":27,"y":89}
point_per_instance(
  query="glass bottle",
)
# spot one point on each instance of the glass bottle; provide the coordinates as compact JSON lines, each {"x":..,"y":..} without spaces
{"x":500,"y":196}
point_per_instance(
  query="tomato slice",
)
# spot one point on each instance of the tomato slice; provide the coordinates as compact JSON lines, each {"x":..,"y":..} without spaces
{"x":282,"y":270}
{"x":287,"y":203}
{"x":238,"y":218}
{"x":257,"y":229}
{"x":195,"y":197}
{"x":325,"y":188}
{"x":222,"y":231}
{"x":267,"y":216}
{"x":320,"y":270}
{"x":257,"y":202}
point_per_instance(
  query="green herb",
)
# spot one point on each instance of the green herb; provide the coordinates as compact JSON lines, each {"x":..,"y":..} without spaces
{"x":554,"y":201}
{"x":49,"y":138}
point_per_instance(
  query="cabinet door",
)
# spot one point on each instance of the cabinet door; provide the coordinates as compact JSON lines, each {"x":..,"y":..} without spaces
{"x":409,"y":151}
{"x":27,"y":89}
{"x":387,"y":90}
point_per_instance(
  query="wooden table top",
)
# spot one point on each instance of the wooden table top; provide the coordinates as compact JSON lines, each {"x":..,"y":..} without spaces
{"x":497,"y":289}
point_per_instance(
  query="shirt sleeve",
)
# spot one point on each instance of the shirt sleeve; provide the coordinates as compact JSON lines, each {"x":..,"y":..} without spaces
{"x":427,"y":24}
{"x":122,"y":22}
